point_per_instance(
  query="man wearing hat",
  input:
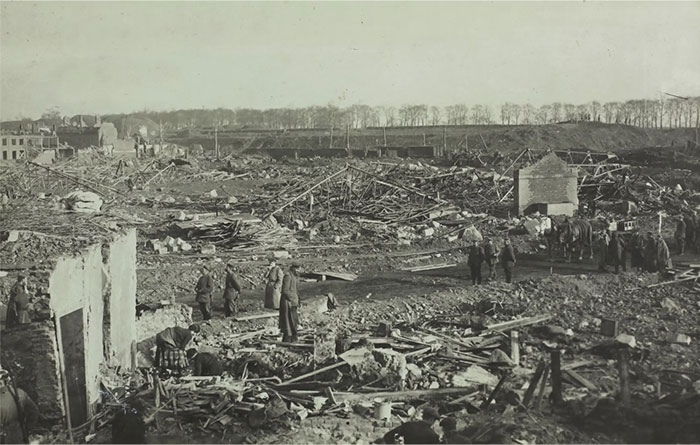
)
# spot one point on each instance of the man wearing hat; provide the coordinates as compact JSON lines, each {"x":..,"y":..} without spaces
{"x":232,"y":291}
{"x":490,"y":257}
{"x":203,"y":291}
{"x":289,"y":304}
{"x":273,"y":289}
{"x":18,"y":304}
{"x":18,"y":412}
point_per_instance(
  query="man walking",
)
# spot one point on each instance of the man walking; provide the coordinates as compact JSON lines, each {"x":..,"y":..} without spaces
{"x":203,"y":291}
{"x":508,"y":260}
{"x":650,"y":252}
{"x":689,"y":219}
{"x":490,"y":256}
{"x":603,"y":243}
{"x":18,"y":304}
{"x":289,"y":304}
{"x":476,"y":257}
{"x":232,"y":291}
{"x":680,"y":235}
{"x":663,"y":256}
{"x":273,"y":289}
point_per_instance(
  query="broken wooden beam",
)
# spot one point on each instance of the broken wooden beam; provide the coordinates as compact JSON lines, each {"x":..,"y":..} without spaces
{"x":422,"y":394}
{"x":313,"y":373}
{"x":256,"y":317}
{"x":581,"y":380}
{"x":428,"y":267}
{"x":521,"y":322}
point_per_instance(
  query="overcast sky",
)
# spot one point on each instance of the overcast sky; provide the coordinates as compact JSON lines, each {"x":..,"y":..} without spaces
{"x":106,"y":57}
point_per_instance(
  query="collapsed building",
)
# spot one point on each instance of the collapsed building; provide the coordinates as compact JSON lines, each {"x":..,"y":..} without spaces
{"x":82,"y":309}
{"x":549,"y":186}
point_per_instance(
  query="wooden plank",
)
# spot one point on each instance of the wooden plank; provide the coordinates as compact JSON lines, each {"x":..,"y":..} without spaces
{"x":521,"y":322}
{"x":428,"y":267}
{"x":335,"y":275}
{"x":533,"y":384}
{"x":556,"y":377}
{"x":313,"y":373}
{"x":403,"y":395}
{"x":581,"y":380}
{"x":256,"y":317}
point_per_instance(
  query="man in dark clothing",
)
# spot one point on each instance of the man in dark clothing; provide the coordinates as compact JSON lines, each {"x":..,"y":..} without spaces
{"x":203,"y":291}
{"x":205,"y":363}
{"x":490,"y":257}
{"x":508,"y":260}
{"x":476,"y":257}
{"x":680,"y":235}
{"x":689,"y":230}
{"x":18,"y":304}
{"x":637,"y":251}
{"x":617,"y":252}
{"x":289,"y":304}
{"x":171,"y":344}
{"x":420,"y":431}
{"x":650,"y":252}
{"x":232,"y":291}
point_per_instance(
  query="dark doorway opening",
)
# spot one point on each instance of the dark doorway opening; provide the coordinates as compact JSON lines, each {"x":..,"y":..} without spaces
{"x":73,"y":345}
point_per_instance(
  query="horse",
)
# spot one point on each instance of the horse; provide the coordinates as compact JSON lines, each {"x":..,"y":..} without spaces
{"x":576,"y":233}
{"x":552,"y":238}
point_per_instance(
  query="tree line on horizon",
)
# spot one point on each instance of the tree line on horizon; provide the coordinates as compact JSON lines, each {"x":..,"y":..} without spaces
{"x":668,"y":113}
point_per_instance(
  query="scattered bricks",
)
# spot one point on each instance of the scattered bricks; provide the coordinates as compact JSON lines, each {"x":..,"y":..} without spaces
{"x":670,"y":305}
{"x":280,"y":254}
{"x":209,"y":249}
{"x":41,"y":195}
{"x":174,"y":248}
{"x":169,"y":241}
{"x":154,"y":244}
{"x":179,"y":241}
{"x":680,"y":339}
{"x":142,"y":200}
{"x":428,"y":232}
{"x":162,"y":250}
{"x":12,"y":236}
{"x":185,"y":247}
{"x":213,"y":194}
{"x":232,"y":200}
{"x":336,"y":239}
{"x":609,"y":328}
{"x":452,"y":238}
{"x":169,"y":200}
{"x":435,"y":224}
{"x":180,"y":216}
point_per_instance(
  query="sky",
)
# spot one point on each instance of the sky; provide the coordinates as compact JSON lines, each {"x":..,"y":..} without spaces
{"x":114,"y":57}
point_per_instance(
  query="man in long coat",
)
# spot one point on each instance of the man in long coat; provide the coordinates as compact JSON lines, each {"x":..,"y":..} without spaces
{"x":203,"y":290}
{"x":476,"y":257}
{"x":508,"y":259}
{"x":273,"y":288}
{"x":650,"y":253}
{"x":617,"y":252}
{"x":680,"y":235}
{"x":289,"y":305}
{"x":232,"y":292}
{"x":663,"y":256}
{"x":18,"y":304}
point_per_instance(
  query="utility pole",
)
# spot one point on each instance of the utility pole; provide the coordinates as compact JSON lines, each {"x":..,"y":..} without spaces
{"x":444,"y":140}
{"x":216,"y":140}
{"x":331,"y":146}
{"x":347,"y":138}
{"x":384,"y":129}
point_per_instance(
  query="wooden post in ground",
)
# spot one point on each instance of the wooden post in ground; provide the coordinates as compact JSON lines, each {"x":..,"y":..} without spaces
{"x":623,"y":369}
{"x":540,"y":394}
{"x":556,"y":377}
{"x":384,"y":131}
{"x":533,"y":383}
{"x":331,"y":146}
{"x":444,"y":140}
{"x":515,"y":347}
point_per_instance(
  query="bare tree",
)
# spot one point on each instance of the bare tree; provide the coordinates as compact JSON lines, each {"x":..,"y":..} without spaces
{"x":435,"y":115}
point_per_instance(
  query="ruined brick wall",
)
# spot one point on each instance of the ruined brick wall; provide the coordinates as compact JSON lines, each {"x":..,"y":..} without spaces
{"x":33,"y":347}
{"x":120,"y":310}
{"x":549,"y":181}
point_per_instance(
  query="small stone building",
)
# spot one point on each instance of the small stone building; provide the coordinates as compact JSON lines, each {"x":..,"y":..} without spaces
{"x":83,"y":300}
{"x":549,"y":186}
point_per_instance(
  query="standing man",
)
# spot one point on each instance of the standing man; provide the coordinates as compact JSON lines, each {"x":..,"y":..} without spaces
{"x":689,"y":219}
{"x":637,"y":251}
{"x":617,"y":252}
{"x":490,"y":256}
{"x":476,"y":257}
{"x":289,"y":305}
{"x":663,"y":256}
{"x":18,"y":412}
{"x":508,"y":259}
{"x":18,"y":304}
{"x":650,"y":252}
{"x":171,"y":344}
{"x":603,"y":243}
{"x":273,"y":289}
{"x":680,"y":234}
{"x":232,"y":291}
{"x":203,"y":291}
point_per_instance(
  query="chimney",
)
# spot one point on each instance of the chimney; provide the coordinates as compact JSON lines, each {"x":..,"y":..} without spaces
{"x":98,"y":122}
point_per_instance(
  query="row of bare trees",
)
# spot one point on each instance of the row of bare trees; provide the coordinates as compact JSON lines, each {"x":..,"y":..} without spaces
{"x":668,"y":113}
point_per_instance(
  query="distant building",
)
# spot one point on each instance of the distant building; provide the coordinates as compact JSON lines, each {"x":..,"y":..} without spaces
{"x":78,"y":137}
{"x":550,"y":186}
{"x":15,"y":146}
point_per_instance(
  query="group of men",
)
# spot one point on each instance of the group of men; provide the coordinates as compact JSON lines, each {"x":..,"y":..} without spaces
{"x":648,"y":252}
{"x":280,"y":294}
{"x":688,"y":232}
{"x":489,"y":254}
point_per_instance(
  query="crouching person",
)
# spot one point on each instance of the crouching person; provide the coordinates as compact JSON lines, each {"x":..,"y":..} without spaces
{"x":171,"y":344}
